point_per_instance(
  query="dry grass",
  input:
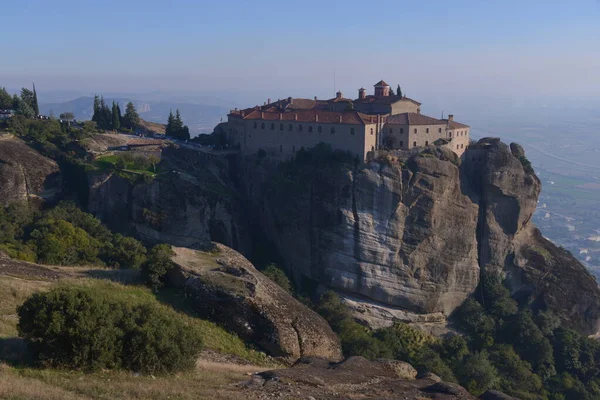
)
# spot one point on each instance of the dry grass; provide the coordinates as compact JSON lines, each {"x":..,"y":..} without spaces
{"x":13,"y":292}
{"x":50,"y":384}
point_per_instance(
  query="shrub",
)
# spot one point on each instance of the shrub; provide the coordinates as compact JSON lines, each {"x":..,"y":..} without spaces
{"x":277,"y":275}
{"x":157,"y":265}
{"x":126,"y":252}
{"x":72,"y":327}
{"x":59,"y":242}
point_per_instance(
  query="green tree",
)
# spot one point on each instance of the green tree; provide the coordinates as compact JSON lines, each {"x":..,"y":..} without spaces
{"x":170,"y":124}
{"x":35,"y":105}
{"x":59,"y":242}
{"x":126,"y":252}
{"x":28,"y":97}
{"x":6,"y":100}
{"x":277,"y":275}
{"x":22,"y":107}
{"x":391,"y":92}
{"x":131,"y":119}
{"x":67,"y":116}
{"x":398,"y":91}
{"x":116,"y":118}
{"x":97,"y":110}
{"x":477,"y":374}
{"x":157,"y":265}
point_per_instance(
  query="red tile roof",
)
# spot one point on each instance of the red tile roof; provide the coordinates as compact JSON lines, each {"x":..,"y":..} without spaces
{"x":309,"y":116}
{"x":385,"y":100}
{"x":381,"y":83}
{"x":414,"y":119}
{"x":457,"y":125}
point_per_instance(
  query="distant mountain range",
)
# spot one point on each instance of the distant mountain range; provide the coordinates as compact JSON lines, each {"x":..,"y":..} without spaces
{"x":199,"y":116}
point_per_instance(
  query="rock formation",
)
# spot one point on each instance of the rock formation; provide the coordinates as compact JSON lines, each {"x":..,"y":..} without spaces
{"x":191,"y":203}
{"x":26,"y":175}
{"x":408,"y":239}
{"x":223,"y":286}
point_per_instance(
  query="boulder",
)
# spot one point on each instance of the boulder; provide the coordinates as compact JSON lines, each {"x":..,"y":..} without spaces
{"x":224,"y":286}
{"x":403,"y":370}
{"x":26,"y":175}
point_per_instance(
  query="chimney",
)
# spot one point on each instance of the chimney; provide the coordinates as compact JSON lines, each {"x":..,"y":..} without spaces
{"x":262,"y":115}
{"x":243,"y":113}
{"x":340,"y":118}
{"x":338,"y":95}
{"x":291,"y":100}
{"x":371,"y":119}
{"x":362,"y":93}
{"x":316,"y":117}
{"x":269,"y":101}
{"x":265,"y":103}
{"x":315,"y":98}
{"x":450,"y":117}
{"x":295,"y":117}
{"x":280,"y":116}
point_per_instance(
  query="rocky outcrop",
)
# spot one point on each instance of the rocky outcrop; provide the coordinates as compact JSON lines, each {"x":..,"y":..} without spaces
{"x":223,"y":286}
{"x":407,"y":239}
{"x":353,"y":378}
{"x":191,"y":202}
{"x":26,"y":175}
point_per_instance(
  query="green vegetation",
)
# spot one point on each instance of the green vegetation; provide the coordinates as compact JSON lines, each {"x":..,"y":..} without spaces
{"x":79,"y":328}
{"x":505,"y":347}
{"x":176,"y":128}
{"x":128,"y":162}
{"x":110,"y":118}
{"x":65,"y":235}
{"x":157,"y":265}
{"x":276,"y":274}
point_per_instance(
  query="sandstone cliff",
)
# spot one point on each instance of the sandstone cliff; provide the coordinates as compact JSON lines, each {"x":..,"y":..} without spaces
{"x":191,"y":202}
{"x":25,"y":174}
{"x":222,"y":285}
{"x":407,"y":240}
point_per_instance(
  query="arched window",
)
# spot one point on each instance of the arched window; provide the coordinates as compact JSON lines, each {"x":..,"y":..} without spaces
{"x":300,"y":128}
{"x":320,"y":129}
{"x":291,"y":128}
{"x":272,"y":127}
{"x":427,"y":143}
{"x":352,"y":131}
{"x":457,"y":146}
{"x":426,"y":130}
{"x":333,"y":129}
{"x":415,"y":130}
{"x":371,"y":131}
{"x":439,"y":130}
{"x":262,"y":125}
{"x":310,"y":128}
{"x":255,"y":125}
{"x":450,"y":134}
{"x":280,"y":127}
{"x":414,"y":144}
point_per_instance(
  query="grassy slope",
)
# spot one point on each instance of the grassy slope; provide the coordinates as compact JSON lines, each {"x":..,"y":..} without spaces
{"x":18,"y":382}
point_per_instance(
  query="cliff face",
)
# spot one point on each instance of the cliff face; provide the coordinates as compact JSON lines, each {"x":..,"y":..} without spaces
{"x":190,"y":203}
{"x":408,"y":240}
{"x":26,"y":175}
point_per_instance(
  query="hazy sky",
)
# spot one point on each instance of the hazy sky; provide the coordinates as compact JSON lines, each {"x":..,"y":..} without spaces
{"x":434,"y":49}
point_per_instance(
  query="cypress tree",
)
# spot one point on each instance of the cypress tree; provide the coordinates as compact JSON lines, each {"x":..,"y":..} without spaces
{"x":120,"y":115}
{"x":131,"y":118}
{"x":5,"y":99}
{"x":35,"y":106}
{"x":399,"y":91}
{"x":170,"y":122}
{"x":116,"y":121}
{"x":96,"y":116}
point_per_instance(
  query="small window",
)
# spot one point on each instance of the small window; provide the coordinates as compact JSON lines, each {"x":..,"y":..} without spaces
{"x":457,"y":146}
{"x":426,"y":130}
{"x":262,"y":125}
{"x":300,"y":128}
{"x":371,"y":131}
{"x":439,"y":130}
{"x":320,"y":129}
{"x":255,"y":125}
{"x":462,"y":146}
{"x":414,"y":144}
{"x":272,"y":127}
{"x":401,"y":143}
{"x":401,"y":130}
{"x":450,"y":134}
{"x":427,"y":143}
{"x":352,"y":131}
{"x":310,"y":128}
{"x":280,"y":127}
{"x":391,"y":130}
{"x":332,"y":129}
{"x":290,"y":128}
{"x":415,"y":130}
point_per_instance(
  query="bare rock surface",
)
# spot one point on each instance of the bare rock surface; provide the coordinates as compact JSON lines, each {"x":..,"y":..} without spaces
{"x":354,"y":378}
{"x":224,"y":286}
{"x":26,"y":175}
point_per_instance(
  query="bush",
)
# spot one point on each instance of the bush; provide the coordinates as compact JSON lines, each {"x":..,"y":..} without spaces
{"x":157,"y":265}
{"x":277,"y":275}
{"x":126,"y":252}
{"x":78,"y":328}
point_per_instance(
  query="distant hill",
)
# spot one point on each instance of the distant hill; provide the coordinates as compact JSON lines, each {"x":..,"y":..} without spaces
{"x":200,"y":118}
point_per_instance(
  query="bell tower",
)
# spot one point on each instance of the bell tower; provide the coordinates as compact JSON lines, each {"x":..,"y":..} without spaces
{"x":382,"y":89}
